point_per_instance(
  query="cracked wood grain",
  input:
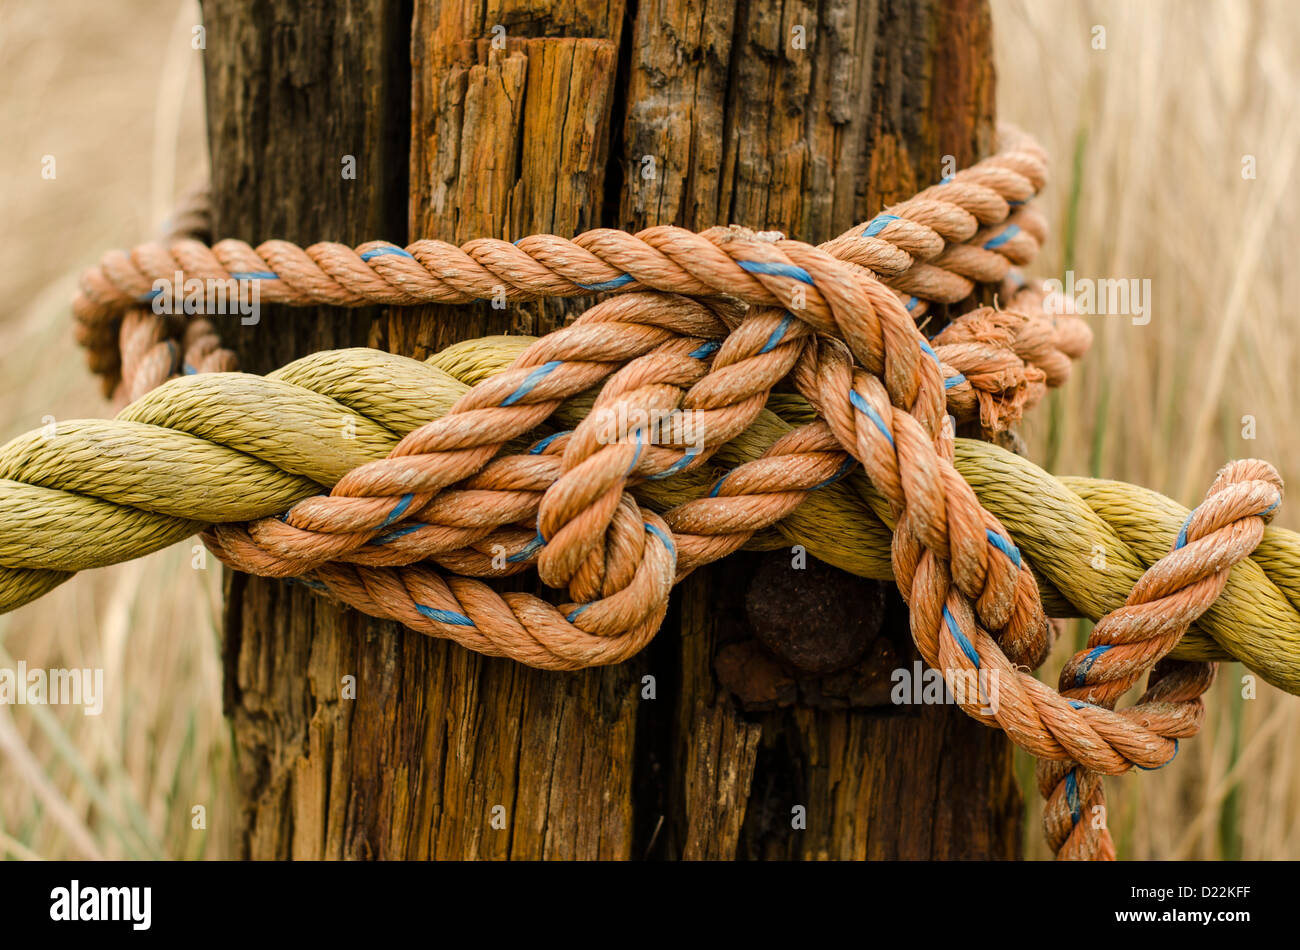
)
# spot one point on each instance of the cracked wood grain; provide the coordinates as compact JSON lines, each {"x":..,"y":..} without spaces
{"x":457,"y":136}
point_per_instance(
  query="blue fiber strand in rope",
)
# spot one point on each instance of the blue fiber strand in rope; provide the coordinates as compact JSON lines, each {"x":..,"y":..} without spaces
{"x":613,"y":284}
{"x":398,"y":509}
{"x":690,"y":455}
{"x":528,"y":550}
{"x":658,"y":533}
{"x":1003,"y":545}
{"x":878,"y":224}
{"x":1072,"y":796}
{"x":776,"y":270}
{"x":540,"y":447}
{"x":966,"y":646}
{"x":1081,"y":674}
{"x":844,"y":469}
{"x":398,"y":533}
{"x":381,"y":251}
{"x":531,"y":380}
{"x":778,"y":334}
{"x":998,"y":240}
{"x":445,"y":616}
{"x":864,"y":407}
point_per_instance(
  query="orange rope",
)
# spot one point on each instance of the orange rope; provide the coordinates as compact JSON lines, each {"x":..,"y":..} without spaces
{"x":836,"y":322}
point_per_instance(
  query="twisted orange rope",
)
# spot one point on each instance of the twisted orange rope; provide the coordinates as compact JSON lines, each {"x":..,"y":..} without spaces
{"x":833,"y":320}
{"x":845,"y":340}
{"x":595,"y":539}
{"x":1223,"y":531}
{"x":151,"y":348}
{"x":982,"y":206}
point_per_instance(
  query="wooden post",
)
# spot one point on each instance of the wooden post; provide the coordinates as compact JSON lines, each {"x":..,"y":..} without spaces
{"x":803,"y":117}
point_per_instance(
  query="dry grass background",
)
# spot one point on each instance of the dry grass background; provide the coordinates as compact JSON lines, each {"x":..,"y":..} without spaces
{"x":1147,"y":138}
{"x":113,"y":91}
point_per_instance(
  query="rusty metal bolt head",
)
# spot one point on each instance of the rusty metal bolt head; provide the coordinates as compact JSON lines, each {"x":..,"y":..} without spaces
{"x":817,"y":618}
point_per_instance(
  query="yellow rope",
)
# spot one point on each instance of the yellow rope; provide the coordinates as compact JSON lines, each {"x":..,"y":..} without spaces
{"x":230,"y":447}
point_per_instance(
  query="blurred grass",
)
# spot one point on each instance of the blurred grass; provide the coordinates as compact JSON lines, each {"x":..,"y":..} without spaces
{"x":113,"y":93}
{"x":1147,"y":138}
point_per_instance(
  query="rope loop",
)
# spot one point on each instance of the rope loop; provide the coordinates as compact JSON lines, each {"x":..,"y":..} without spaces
{"x":554,"y":459}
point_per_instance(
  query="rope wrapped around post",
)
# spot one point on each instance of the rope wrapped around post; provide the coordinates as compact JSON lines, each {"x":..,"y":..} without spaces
{"x":363,"y":503}
{"x":459,"y":462}
{"x":916,"y":247}
{"x":225,"y":448}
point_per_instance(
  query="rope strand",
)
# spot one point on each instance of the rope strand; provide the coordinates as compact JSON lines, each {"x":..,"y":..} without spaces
{"x":678,"y":451}
{"x":1223,"y":531}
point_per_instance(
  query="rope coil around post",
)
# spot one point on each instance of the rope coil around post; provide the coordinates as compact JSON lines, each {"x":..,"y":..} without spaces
{"x":699,"y":330}
{"x":429,"y":588}
{"x":985,"y":204}
{"x":837,"y":298}
{"x":230,"y":447}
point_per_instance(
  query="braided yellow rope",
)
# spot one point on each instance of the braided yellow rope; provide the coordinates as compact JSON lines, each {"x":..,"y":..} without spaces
{"x":357,"y":472}
{"x":229,"y":447}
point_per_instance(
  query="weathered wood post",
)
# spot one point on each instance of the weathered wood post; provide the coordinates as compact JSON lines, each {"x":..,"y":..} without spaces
{"x":460,"y":119}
